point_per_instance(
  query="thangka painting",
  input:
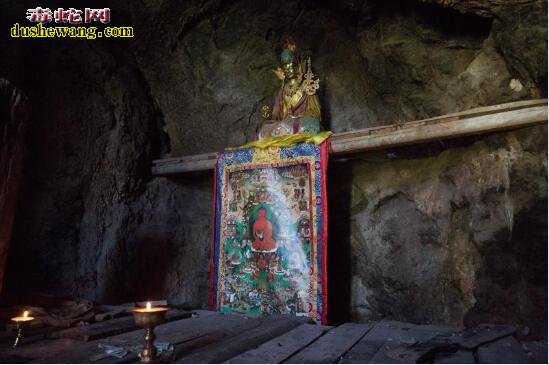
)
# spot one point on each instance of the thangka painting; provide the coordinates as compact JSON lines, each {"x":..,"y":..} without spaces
{"x":269,"y":249}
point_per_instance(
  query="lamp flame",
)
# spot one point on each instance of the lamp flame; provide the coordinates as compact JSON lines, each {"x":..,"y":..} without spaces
{"x":25,"y":314}
{"x":149,"y":305}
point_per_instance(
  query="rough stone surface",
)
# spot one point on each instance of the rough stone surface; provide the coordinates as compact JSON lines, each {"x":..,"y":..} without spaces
{"x":518,"y":29}
{"x":13,"y":126}
{"x":454,"y":235}
{"x":454,"y":232}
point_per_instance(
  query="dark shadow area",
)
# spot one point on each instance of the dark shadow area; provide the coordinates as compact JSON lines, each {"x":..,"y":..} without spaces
{"x":148,"y":269}
{"x":511,"y":284}
{"x":339,"y":241}
{"x":446,"y":20}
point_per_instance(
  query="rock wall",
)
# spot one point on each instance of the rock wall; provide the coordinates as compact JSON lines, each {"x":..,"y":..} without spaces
{"x":453,"y":235}
{"x":448,"y":232}
{"x":13,"y":126}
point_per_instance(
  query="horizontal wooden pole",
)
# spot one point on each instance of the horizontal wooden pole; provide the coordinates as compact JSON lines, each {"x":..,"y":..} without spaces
{"x":406,"y":135}
{"x":481,"y":120}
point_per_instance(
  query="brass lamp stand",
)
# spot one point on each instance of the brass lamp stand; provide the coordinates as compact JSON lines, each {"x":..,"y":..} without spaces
{"x":148,"y":318}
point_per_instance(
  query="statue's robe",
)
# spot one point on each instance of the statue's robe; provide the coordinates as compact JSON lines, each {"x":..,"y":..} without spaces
{"x":298,"y":113}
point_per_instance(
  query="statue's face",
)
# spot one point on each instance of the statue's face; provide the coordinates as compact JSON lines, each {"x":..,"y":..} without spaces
{"x":261,"y":213}
{"x":289,"y":70}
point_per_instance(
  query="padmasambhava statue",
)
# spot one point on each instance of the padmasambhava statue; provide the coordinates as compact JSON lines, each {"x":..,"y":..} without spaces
{"x":296,"y":107}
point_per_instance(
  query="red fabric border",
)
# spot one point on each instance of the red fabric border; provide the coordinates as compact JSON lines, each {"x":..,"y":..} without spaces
{"x":212,"y":291}
{"x":324,"y":153}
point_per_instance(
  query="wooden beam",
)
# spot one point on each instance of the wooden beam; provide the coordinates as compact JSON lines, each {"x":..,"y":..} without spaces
{"x":282,"y":347}
{"x":481,"y":120}
{"x":57,"y":351}
{"x":232,"y":346}
{"x":111,"y":327}
{"x":329,"y":348}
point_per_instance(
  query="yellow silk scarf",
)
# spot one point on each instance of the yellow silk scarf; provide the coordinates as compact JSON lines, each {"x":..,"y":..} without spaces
{"x":286,"y":140}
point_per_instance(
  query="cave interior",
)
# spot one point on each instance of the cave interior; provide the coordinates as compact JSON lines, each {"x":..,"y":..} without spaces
{"x":449,"y":232}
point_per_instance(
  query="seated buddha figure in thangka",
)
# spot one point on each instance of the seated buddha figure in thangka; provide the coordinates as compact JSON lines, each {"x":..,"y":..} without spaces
{"x":263,"y":233}
{"x":296,"y":106}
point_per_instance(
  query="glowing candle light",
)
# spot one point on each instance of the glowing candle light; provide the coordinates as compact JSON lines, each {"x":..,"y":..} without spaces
{"x":23,"y":318}
{"x":149,"y":308}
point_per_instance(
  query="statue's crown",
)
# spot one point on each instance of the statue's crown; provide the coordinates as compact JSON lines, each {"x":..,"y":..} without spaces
{"x":288,"y":50}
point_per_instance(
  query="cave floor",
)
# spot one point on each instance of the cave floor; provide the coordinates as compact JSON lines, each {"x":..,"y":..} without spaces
{"x":211,"y":337}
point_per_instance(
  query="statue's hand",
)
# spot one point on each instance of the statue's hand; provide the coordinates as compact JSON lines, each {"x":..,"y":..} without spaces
{"x":266,"y":112}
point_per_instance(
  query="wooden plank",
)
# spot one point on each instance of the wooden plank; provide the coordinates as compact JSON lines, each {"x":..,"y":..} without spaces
{"x":488,"y":119}
{"x":506,"y":350}
{"x":419,"y":352}
{"x":189,"y":166}
{"x":202,"y":156}
{"x":282,"y":347}
{"x":111,"y":327}
{"x":44,"y":348}
{"x":31,"y":334}
{"x":405,"y":135}
{"x":112,"y":308}
{"x":363,"y":351}
{"x":481,"y":334}
{"x":107,"y":316}
{"x":484,"y":110}
{"x":189,"y":338}
{"x":536,"y":351}
{"x":435,"y":339}
{"x":187,"y":347}
{"x":176,"y":333}
{"x":13,"y":359}
{"x":230,"y":347}
{"x":179,"y":348}
{"x":438,"y":329}
{"x":403,"y":335}
{"x":381,"y":344}
{"x":458,"y":357}
{"x":332,"y":346}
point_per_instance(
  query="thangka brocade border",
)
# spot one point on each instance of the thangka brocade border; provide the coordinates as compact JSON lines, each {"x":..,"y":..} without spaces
{"x":315,"y":157}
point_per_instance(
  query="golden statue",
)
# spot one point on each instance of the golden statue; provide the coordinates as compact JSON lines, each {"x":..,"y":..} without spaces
{"x":296,"y":107}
